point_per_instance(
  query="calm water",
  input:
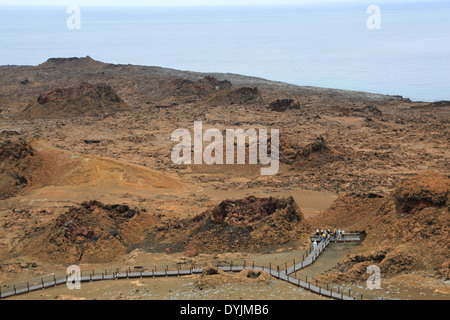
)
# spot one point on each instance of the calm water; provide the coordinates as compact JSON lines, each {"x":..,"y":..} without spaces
{"x":304,"y":45}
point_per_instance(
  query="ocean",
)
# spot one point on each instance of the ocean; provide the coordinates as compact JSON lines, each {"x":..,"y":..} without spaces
{"x":309,"y":45}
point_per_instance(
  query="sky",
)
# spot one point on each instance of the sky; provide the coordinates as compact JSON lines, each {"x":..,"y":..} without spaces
{"x":187,"y":3}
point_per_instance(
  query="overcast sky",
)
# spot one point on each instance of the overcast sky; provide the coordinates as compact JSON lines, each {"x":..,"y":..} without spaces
{"x":187,"y":2}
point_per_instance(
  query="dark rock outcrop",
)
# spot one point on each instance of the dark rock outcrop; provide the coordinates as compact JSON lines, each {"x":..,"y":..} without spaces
{"x":82,"y":101}
{"x":240,"y":96}
{"x":243,"y":224}
{"x":92,"y":232}
{"x":14,"y":162}
{"x":281,"y":105}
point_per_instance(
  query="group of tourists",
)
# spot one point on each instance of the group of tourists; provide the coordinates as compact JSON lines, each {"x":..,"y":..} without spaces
{"x":325,"y":234}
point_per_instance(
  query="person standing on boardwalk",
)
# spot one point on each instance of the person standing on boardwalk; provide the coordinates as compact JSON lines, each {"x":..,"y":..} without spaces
{"x":315,"y":245}
{"x":343,"y":233}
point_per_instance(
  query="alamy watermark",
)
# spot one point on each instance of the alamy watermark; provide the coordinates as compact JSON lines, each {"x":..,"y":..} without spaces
{"x":374,"y":280}
{"x":374,"y":20}
{"x":214,"y":151}
{"x":73,"y":277}
{"x":73,"y":22}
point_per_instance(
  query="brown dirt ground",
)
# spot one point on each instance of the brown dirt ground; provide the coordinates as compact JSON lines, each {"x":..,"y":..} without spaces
{"x":354,"y":145}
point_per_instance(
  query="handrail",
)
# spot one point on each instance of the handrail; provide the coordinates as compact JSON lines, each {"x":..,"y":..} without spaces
{"x":175,"y":270}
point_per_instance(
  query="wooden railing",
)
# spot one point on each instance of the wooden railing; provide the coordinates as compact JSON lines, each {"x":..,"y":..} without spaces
{"x":282,"y":272}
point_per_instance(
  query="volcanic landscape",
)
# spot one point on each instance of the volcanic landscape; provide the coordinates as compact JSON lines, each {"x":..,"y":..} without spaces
{"x":87,"y":178}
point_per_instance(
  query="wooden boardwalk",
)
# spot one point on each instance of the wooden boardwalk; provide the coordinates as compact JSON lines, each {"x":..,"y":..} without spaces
{"x":309,"y":259}
{"x":141,"y":272}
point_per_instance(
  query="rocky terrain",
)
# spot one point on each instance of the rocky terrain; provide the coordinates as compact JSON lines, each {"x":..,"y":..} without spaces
{"x":97,"y":233}
{"x":14,"y":163}
{"x":92,"y":233}
{"x":84,"y":101}
{"x":77,"y":135}
{"x":241,"y":225}
{"x":373,"y":141}
{"x":408,"y":229}
{"x":212,"y":277}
